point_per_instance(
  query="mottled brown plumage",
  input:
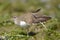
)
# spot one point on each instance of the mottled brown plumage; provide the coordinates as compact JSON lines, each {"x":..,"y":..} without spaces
{"x":42,"y":18}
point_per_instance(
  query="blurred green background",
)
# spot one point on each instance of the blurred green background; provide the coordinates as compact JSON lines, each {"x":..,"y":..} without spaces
{"x":48,"y":7}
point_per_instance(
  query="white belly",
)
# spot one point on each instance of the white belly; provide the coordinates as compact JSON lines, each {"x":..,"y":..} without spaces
{"x":23,"y":23}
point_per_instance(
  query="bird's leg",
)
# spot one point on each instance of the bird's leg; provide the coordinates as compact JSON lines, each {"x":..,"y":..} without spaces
{"x":43,"y":25}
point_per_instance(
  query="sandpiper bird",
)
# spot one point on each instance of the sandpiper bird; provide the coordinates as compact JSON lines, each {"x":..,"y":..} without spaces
{"x":29,"y":18}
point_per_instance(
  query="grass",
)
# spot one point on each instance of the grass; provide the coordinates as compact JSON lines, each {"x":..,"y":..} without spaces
{"x":13,"y":31}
